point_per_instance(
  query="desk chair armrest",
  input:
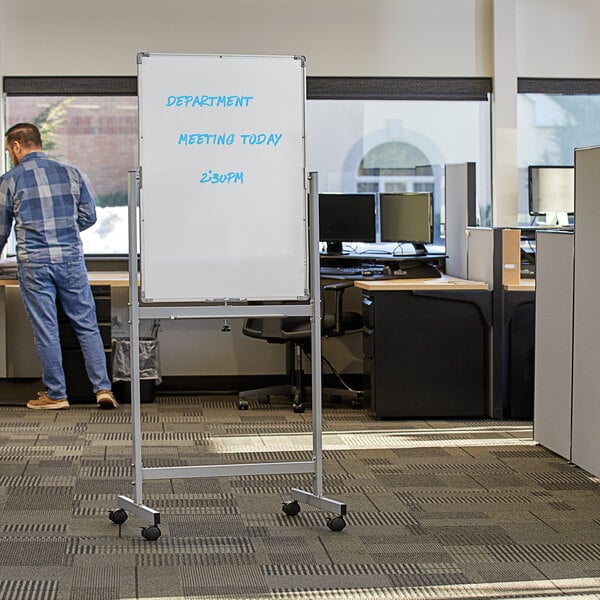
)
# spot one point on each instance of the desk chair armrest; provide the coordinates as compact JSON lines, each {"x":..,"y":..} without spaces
{"x":338,"y":289}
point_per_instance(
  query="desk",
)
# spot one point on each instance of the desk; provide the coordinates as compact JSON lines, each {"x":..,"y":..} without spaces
{"x":18,"y":359}
{"x":426,"y":347}
{"x":113,"y":278}
{"x":515,"y":333}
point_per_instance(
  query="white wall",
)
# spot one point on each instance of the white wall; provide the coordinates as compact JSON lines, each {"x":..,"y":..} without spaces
{"x":338,"y":37}
{"x":558,"y":38}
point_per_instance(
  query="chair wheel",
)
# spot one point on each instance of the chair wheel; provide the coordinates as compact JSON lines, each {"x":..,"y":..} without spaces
{"x":242,"y":404}
{"x":291,"y":508}
{"x":336,"y":523}
{"x":151,"y":533}
{"x":118,"y":516}
{"x":298,"y":408}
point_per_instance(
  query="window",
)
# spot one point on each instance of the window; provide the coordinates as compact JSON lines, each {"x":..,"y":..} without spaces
{"x":363,"y":134}
{"x":399,"y":145}
{"x":554,"y":117}
{"x":97,"y":134}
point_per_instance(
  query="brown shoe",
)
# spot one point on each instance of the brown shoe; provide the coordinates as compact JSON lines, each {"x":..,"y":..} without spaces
{"x":106,"y":399}
{"x":42,"y":402}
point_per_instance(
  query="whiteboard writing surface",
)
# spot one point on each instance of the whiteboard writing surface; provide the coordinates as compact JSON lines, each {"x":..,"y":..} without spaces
{"x":223,"y":202}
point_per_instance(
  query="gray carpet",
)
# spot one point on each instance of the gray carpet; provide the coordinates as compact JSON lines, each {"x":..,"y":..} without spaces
{"x":436,"y":509}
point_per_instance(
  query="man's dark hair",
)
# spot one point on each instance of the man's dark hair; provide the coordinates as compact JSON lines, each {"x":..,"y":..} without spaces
{"x":25,"y":133}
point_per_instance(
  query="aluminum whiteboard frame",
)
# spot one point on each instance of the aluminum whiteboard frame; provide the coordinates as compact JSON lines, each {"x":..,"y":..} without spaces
{"x":312,"y":308}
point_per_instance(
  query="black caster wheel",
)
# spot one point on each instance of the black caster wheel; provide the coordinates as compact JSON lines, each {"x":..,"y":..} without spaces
{"x":358,"y":403}
{"x":118,"y":516}
{"x":151,"y":533}
{"x":242,"y":404}
{"x":336,"y":523}
{"x":264,"y":400}
{"x":298,"y":408}
{"x":291,"y":508}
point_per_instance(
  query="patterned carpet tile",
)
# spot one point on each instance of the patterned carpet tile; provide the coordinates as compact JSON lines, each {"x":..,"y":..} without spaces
{"x":440,"y":510}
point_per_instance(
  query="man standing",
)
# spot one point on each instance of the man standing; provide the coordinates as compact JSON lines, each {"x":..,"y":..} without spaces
{"x":50,"y":203}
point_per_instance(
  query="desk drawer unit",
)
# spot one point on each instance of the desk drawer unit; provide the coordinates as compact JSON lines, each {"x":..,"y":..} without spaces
{"x":79,"y":389}
{"x":424,"y":356}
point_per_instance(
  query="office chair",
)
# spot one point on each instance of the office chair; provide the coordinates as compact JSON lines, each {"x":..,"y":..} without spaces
{"x":296,"y":332}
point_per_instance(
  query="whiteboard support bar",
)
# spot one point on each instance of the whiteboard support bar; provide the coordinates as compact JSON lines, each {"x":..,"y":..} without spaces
{"x":315,"y":275}
{"x":218,"y":312}
{"x":134,"y":333}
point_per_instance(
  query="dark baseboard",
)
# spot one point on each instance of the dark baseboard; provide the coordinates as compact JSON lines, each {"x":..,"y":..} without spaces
{"x":16,"y":391}
{"x":216,"y":384}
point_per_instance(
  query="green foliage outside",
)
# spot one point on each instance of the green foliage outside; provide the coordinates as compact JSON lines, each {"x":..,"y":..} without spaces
{"x":114,"y":199}
{"x":49,"y":122}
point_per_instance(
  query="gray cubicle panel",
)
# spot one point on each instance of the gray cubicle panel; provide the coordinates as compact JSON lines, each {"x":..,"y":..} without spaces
{"x":223,"y":196}
{"x":460,"y":214}
{"x":480,"y":255}
{"x":553,"y":335}
{"x":586,"y":302}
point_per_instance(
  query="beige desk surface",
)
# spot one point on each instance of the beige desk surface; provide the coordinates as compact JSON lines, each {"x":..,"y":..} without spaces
{"x":121,"y":278}
{"x":116,"y":278}
{"x":445,"y":282}
{"x":526,"y":285}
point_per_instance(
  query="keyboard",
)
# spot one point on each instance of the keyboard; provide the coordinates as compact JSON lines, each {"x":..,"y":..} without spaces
{"x":414,"y":271}
{"x":375,"y":276}
{"x":327,"y":270}
{"x":356,"y":272}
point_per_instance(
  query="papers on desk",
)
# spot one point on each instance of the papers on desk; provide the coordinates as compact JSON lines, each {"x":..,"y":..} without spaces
{"x":8,"y":268}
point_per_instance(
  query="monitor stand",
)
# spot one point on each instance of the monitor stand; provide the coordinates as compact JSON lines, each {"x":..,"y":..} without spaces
{"x":420,"y":249}
{"x":334,"y":248}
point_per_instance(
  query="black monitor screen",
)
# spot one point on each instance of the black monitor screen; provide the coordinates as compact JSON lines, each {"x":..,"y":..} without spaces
{"x":406,"y":217}
{"x":551,"y":189}
{"x":347,"y":217}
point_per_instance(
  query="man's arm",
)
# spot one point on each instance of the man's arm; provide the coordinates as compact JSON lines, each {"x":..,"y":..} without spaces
{"x":86,"y":209}
{"x":6,"y":213}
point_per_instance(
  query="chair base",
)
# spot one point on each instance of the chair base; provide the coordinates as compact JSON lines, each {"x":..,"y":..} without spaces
{"x":264,"y":395}
{"x":299,"y":395}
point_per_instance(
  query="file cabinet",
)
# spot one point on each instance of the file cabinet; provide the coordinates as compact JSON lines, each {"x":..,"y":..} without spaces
{"x":426,"y":354}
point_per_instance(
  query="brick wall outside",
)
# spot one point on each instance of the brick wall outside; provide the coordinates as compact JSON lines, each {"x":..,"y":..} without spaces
{"x":97,"y":134}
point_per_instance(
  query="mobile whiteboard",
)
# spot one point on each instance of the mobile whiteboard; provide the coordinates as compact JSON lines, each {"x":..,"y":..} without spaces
{"x":223,"y":198}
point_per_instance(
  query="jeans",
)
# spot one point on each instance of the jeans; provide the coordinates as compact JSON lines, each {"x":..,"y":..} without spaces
{"x":41,"y":285}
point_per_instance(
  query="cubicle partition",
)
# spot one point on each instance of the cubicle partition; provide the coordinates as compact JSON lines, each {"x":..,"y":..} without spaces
{"x":494,"y":256}
{"x":586,"y":324}
{"x":567,"y":388}
{"x":460,"y":215}
{"x":553,"y":346}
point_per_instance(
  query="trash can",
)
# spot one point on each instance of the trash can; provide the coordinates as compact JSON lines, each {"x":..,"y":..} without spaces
{"x":149,"y":369}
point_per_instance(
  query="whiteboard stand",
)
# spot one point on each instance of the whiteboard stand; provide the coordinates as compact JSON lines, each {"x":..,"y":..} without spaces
{"x":312,"y":309}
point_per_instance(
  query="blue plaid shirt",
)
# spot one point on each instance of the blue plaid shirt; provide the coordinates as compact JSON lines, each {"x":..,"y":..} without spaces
{"x":50,"y":203}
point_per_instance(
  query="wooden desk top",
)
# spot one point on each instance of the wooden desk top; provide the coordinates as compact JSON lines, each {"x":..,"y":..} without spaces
{"x":116,"y":278}
{"x":445,"y":282}
{"x":526,"y":285}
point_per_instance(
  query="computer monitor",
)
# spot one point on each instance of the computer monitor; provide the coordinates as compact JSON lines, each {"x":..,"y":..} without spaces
{"x":407,"y":217}
{"x":346,"y":218}
{"x":551,"y":190}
